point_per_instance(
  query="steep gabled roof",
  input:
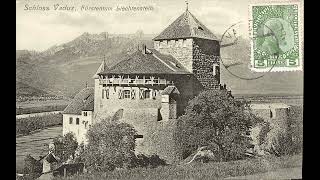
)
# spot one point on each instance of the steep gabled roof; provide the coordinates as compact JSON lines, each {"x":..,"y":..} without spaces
{"x":82,"y":101}
{"x":151,"y":62}
{"x":186,"y":26}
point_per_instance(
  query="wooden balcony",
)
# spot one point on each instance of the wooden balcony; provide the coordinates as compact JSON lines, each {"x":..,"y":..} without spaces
{"x":135,"y":81}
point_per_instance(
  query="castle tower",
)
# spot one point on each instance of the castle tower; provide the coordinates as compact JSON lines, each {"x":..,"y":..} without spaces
{"x":195,"y":46}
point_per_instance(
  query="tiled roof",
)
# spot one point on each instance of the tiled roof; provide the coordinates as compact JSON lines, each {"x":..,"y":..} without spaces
{"x":151,"y":62}
{"x":186,"y":26}
{"x":82,"y":101}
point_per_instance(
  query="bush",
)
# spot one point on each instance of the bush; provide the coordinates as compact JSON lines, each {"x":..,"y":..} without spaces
{"x":26,"y":125}
{"x":65,"y":146}
{"x":110,"y":145}
{"x":142,"y":160}
{"x":216,"y":120}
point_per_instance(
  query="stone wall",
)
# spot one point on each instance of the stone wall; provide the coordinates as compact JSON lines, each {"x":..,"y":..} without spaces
{"x":199,"y":56}
{"x":205,"y":55}
{"x":277,"y":118}
{"x":181,"y":49}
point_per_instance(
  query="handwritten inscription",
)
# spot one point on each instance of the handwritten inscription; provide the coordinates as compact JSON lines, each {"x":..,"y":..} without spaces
{"x":70,"y":8}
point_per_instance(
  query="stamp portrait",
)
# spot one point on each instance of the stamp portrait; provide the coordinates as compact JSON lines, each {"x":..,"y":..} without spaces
{"x":276,"y":37}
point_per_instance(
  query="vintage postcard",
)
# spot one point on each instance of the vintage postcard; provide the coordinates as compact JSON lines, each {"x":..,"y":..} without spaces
{"x":159,"y":89}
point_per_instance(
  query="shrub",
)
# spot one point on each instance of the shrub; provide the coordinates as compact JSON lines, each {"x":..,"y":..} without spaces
{"x":142,"y":160}
{"x":110,"y":145}
{"x":218,"y":121}
{"x":65,"y":146}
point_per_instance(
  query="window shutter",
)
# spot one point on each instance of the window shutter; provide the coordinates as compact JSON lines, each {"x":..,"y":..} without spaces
{"x":107,"y":93}
{"x":102,"y":93}
{"x":133,"y":94}
{"x":141,"y":93}
{"x":120,"y":94}
{"x":154,"y":94}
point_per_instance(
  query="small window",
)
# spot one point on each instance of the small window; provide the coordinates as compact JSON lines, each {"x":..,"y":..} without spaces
{"x":184,"y":43}
{"x":126,"y":94}
{"x":215,"y":70}
{"x":85,"y":113}
{"x":70,"y":120}
{"x":107,"y":93}
{"x":147,"y":94}
{"x":77,"y":121}
{"x":103,"y":93}
{"x":199,"y":27}
{"x":138,"y":136}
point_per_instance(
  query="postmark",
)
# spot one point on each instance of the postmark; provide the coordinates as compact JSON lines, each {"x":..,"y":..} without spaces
{"x":276,"y":31}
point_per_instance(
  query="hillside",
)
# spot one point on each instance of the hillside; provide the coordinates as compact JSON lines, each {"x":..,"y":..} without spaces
{"x":26,"y":90}
{"x":64,"y":69}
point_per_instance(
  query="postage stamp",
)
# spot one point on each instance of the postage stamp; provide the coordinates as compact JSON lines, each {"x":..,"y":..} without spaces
{"x":276,"y":36}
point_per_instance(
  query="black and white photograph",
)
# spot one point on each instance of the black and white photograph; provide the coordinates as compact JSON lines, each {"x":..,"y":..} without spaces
{"x":159,"y":89}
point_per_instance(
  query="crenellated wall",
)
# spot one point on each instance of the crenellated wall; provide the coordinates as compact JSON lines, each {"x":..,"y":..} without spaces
{"x":180,"y":49}
{"x":199,"y":56}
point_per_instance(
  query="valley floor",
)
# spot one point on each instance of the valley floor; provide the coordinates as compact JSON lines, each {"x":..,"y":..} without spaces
{"x":34,"y":144}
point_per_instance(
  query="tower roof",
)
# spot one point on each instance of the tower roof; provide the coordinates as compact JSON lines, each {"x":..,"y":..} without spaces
{"x":186,"y":26}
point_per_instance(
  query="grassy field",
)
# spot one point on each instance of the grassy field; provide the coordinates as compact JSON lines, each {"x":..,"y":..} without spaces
{"x":34,"y":144}
{"x":26,"y":125}
{"x":40,"y":106}
{"x":211,"y":170}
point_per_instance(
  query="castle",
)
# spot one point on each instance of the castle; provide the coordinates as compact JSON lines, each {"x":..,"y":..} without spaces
{"x":151,"y":88}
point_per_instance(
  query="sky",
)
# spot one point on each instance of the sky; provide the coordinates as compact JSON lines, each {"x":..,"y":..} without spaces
{"x":39,"y":30}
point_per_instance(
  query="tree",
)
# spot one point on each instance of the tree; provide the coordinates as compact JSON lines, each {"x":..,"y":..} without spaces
{"x":216,"y":120}
{"x":65,"y":146}
{"x":110,"y":145}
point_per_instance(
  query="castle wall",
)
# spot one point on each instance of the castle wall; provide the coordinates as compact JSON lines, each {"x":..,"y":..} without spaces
{"x":114,"y":102}
{"x":199,"y":56}
{"x":181,"y":49}
{"x":278,"y":121}
{"x":205,"y":59}
{"x":150,"y":116}
{"x":158,"y":137}
{"x":97,"y":96}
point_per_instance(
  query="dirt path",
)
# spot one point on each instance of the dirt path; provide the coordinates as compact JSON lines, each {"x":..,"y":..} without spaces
{"x":35,"y":144}
{"x":286,"y":173}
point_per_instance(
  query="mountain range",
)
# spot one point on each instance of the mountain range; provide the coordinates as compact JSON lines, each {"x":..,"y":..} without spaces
{"x":65,"y":69}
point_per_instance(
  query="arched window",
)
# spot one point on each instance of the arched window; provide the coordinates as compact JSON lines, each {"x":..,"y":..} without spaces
{"x":70,"y":120}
